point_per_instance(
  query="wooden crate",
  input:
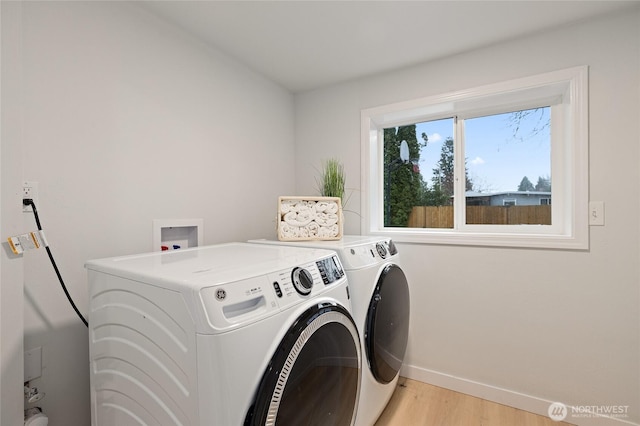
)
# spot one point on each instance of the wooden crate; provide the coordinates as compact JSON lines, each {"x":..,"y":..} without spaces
{"x":309,"y":218}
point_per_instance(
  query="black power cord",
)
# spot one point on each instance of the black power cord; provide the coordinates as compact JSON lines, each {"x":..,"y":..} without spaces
{"x":29,"y":202}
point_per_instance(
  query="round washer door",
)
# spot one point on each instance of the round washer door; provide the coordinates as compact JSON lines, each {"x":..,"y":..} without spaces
{"x":387,"y":326}
{"x":314,"y":376}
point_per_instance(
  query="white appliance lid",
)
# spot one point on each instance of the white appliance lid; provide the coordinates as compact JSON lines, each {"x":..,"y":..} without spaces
{"x":347,"y":241}
{"x":210,"y":264}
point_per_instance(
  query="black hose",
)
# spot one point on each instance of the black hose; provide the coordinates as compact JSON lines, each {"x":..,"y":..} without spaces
{"x":29,"y":202}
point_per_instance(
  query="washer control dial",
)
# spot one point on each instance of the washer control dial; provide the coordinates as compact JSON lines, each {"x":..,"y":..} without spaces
{"x":302,"y":280}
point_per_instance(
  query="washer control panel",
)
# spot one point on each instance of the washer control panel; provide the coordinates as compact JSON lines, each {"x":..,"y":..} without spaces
{"x":231,"y":304}
{"x":331,"y":269}
{"x":328,"y":270}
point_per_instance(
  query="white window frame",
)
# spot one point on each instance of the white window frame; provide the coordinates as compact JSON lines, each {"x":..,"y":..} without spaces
{"x":565,"y":90}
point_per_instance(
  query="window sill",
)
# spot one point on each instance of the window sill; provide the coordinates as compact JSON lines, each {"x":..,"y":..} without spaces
{"x":461,"y":238}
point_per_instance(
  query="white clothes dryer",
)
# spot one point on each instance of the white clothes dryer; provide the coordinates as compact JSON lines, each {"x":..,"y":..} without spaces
{"x":229,"y":334}
{"x":381,"y":307}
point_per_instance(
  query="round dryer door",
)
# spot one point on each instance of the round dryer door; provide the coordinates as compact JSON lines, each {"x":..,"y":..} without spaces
{"x":387,"y":327}
{"x":313,"y":378}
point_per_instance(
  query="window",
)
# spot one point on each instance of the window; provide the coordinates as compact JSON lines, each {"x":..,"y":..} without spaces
{"x":481,"y":166}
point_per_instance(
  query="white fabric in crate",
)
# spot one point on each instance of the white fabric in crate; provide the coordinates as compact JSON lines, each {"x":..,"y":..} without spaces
{"x":308,"y":219}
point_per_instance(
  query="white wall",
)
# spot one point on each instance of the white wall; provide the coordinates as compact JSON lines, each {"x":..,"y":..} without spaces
{"x":127,"y":120}
{"x":519,"y":326}
{"x":11,"y":266}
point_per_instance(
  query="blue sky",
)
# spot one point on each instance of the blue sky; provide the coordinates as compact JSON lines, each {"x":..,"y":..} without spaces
{"x":496,"y":160}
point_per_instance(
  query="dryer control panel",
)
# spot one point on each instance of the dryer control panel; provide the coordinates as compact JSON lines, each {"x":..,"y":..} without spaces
{"x":363,"y":255}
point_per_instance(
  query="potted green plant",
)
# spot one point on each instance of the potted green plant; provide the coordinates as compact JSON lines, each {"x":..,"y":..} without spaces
{"x":332,"y":179}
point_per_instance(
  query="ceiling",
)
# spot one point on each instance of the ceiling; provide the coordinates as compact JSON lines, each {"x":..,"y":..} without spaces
{"x":304,"y":45}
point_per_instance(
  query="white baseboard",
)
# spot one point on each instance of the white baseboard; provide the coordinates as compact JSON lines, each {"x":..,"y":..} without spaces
{"x":508,"y":397}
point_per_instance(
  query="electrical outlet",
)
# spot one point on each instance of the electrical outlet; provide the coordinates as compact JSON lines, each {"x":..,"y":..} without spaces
{"x":32,"y":363}
{"x":596,"y":213}
{"x":29,"y":190}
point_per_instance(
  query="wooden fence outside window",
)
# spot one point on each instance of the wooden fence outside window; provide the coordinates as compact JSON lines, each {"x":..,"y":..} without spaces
{"x":442,"y":216}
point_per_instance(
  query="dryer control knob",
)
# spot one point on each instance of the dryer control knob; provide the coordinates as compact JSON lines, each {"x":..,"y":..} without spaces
{"x":302,"y":281}
{"x":382,"y":250}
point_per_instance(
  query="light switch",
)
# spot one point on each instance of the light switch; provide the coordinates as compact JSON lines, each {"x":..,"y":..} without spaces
{"x":596,"y":213}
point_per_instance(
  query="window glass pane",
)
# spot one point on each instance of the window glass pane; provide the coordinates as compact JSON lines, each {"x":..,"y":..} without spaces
{"x":418,"y":187}
{"x":508,"y":163}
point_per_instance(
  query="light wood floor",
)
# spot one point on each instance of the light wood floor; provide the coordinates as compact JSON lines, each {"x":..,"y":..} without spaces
{"x":419,"y":404}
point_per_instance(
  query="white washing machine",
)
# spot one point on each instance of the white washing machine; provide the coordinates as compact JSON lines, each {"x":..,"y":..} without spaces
{"x":380,"y":302}
{"x":229,"y":334}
